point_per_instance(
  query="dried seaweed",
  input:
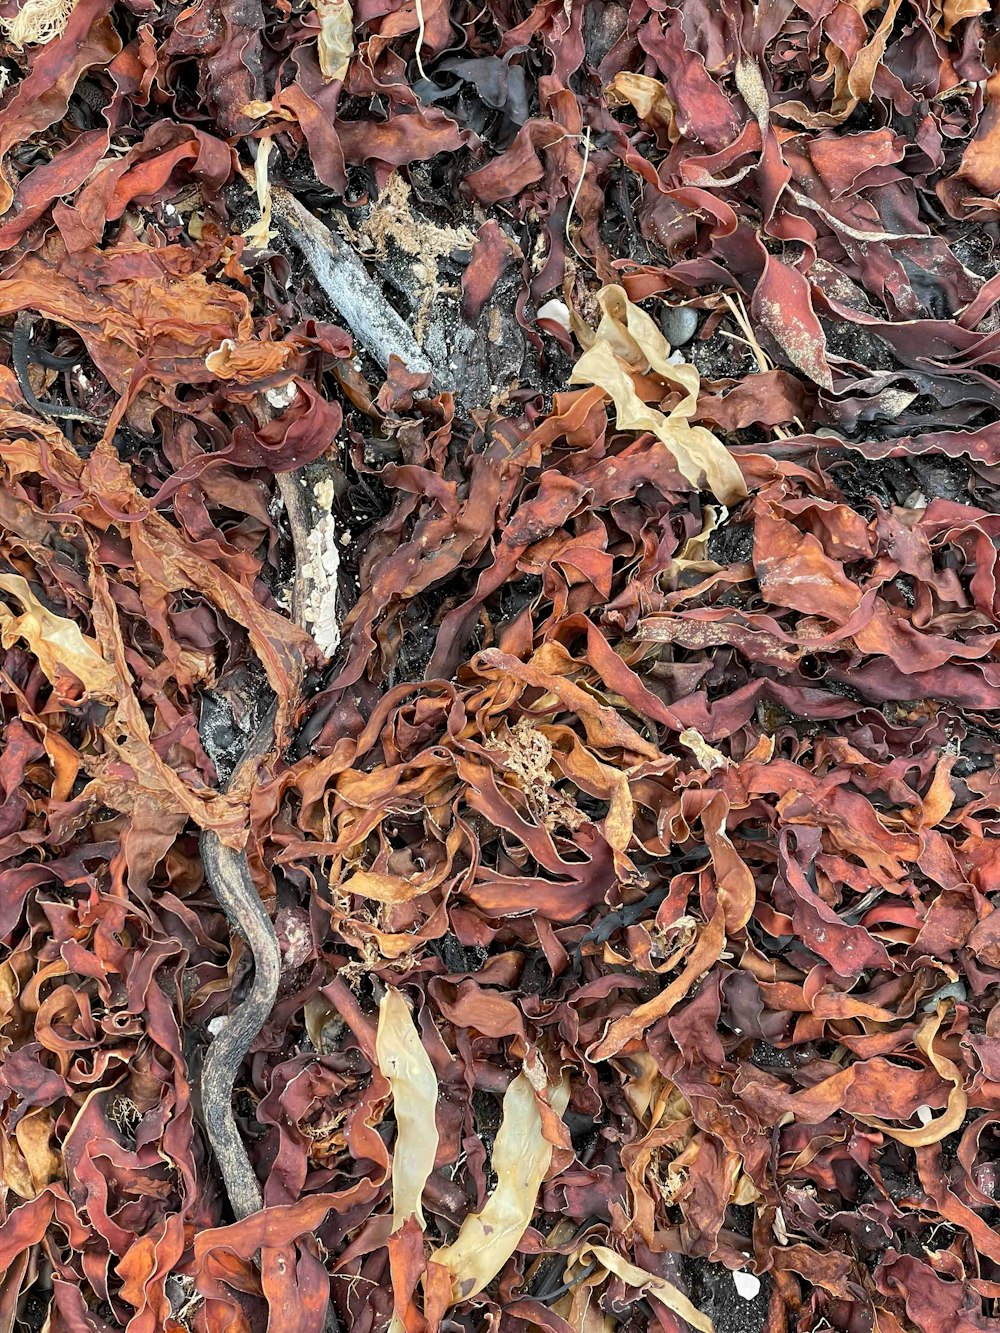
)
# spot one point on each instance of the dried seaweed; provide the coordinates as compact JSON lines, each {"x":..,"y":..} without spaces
{"x":626,"y":820}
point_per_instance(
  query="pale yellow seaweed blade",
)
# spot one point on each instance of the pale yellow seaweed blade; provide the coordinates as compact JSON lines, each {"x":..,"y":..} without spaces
{"x":521,"y":1158}
{"x":628,"y":340}
{"x":58,"y":643}
{"x":336,"y":37}
{"x":404,"y":1062}
{"x":665,"y":1292}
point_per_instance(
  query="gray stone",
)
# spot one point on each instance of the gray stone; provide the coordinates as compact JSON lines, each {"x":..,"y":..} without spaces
{"x":679,"y":324}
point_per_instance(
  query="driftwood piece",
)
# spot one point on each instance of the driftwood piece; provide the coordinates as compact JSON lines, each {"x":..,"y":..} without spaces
{"x":360,"y":301}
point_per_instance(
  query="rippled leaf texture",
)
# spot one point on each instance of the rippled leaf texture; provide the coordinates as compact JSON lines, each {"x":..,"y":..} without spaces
{"x":67,"y":657}
{"x":633,"y":862}
{"x":627,"y":340}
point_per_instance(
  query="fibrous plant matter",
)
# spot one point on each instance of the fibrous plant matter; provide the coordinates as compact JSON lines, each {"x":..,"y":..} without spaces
{"x":499,"y":666}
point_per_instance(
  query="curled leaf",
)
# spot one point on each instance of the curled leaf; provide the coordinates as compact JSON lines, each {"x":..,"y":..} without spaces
{"x":382,"y":888}
{"x":665,"y":1292}
{"x":336,"y":37}
{"x":648,"y":98}
{"x":704,"y":952}
{"x":246,"y":362}
{"x":260,"y":233}
{"x":707,"y":755}
{"x":931,"y":1131}
{"x":27,"y":1161}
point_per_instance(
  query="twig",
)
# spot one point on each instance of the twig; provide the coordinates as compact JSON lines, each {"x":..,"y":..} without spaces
{"x":739,"y":312}
{"x":378,"y":327}
{"x":742,"y":319}
{"x":299,"y":524}
{"x":228,"y":876}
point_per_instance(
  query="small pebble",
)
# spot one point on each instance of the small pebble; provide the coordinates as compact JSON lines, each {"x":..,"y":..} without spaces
{"x":679,"y":324}
{"x":746,"y":1285}
{"x":954,"y":990}
{"x":557,"y":312}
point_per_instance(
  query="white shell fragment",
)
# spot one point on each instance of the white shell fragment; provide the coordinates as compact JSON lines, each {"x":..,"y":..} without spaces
{"x":557,"y":311}
{"x":281,"y":397}
{"x":746,"y":1285}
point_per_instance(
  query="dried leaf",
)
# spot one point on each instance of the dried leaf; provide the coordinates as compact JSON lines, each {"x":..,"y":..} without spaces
{"x":260,"y":234}
{"x":64,"y":653}
{"x":707,"y":755}
{"x":665,"y":1292}
{"x":783,"y":304}
{"x":956,"y":10}
{"x":935,"y":1130}
{"x":706,"y":950}
{"x":27,"y":1160}
{"x":647,"y":97}
{"x":696,"y":797}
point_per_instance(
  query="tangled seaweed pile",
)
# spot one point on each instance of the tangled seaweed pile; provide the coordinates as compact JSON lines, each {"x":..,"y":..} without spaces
{"x":632,"y":857}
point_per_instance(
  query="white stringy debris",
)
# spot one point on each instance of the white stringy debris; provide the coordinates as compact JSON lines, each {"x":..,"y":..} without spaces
{"x":320,"y":573}
{"x":37,"y":22}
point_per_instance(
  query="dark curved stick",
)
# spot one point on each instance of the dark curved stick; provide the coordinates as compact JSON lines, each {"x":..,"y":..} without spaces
{"x":229,"y":878}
